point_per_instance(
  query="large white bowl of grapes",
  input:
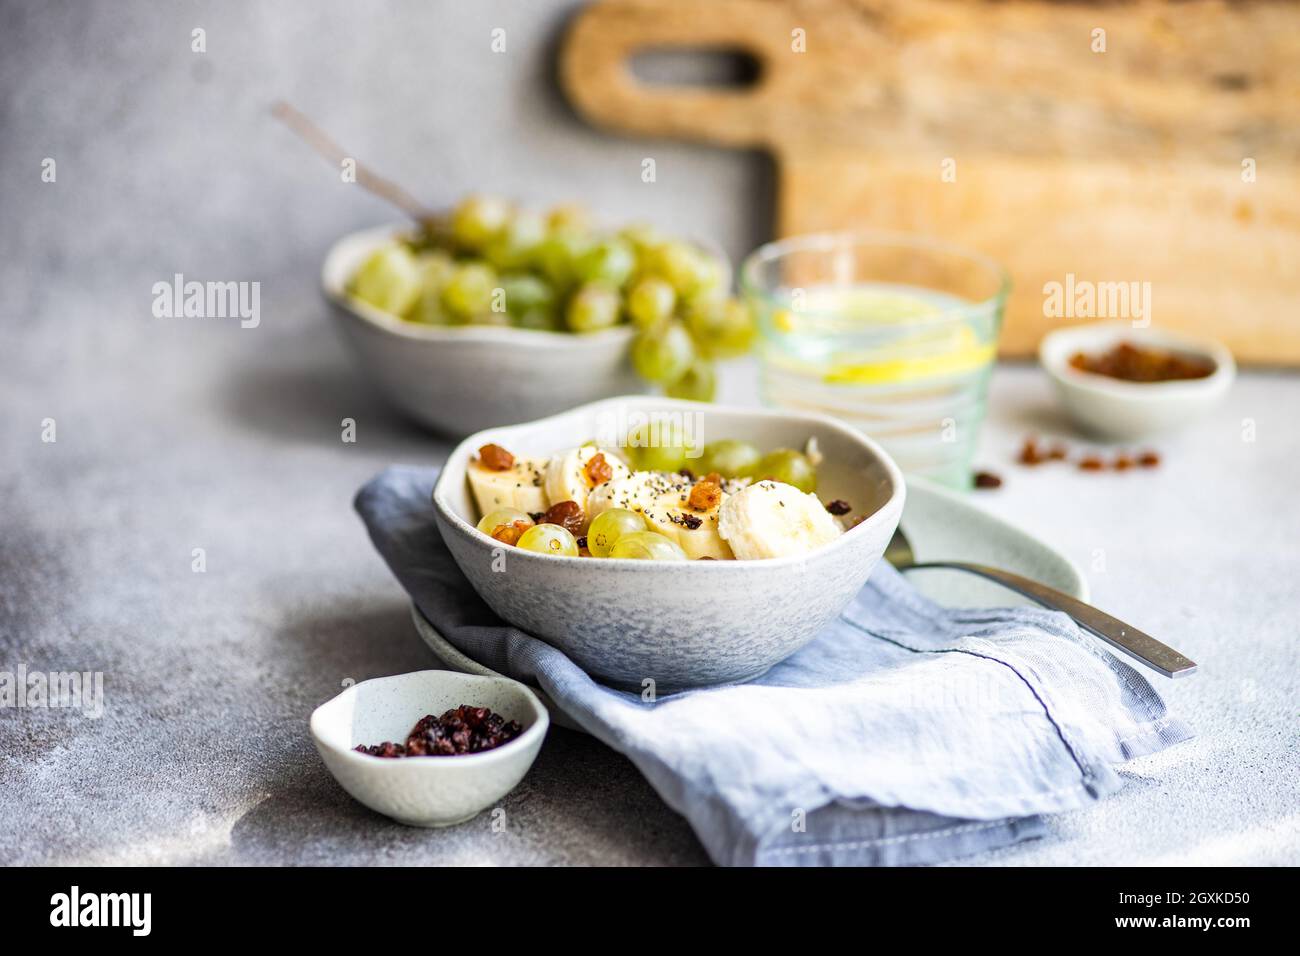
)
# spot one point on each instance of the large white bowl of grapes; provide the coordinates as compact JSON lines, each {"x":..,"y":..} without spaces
{"x":494,"y":314}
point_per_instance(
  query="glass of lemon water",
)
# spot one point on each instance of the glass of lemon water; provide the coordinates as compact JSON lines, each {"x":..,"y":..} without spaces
{"x":893,"y":334}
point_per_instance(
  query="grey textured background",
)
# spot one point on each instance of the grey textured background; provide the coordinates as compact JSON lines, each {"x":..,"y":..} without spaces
{"x":176,"y":434}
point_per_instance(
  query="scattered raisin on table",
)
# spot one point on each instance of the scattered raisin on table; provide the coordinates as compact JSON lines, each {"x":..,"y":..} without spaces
{"x":496,"y":458}
{"x":1030,"y":454}
{"x":1091,"y":463}
{"x":1149,"y":459}
{"x":986,"y":479}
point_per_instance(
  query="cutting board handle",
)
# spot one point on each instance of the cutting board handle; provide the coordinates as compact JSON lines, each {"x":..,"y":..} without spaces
{"x":596,"y":73}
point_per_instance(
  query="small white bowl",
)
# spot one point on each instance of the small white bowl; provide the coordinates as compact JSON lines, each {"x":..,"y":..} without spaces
{"x":459,"y":379}
{"x":426,"y":791}
{"x":1121,"y":410}
{"x":677,"y":623}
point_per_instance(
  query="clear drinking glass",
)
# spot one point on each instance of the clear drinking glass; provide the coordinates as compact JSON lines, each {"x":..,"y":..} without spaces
{"x":893,"y":334}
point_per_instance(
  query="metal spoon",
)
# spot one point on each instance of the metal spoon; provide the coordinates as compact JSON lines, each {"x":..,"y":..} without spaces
{"x":1113,"y":631}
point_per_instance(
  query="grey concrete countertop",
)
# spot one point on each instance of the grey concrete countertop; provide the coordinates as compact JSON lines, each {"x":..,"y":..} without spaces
{"x":180,"y":434}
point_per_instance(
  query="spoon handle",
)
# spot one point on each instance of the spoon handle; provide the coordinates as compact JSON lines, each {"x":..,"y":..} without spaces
{"x":1121,"y":636}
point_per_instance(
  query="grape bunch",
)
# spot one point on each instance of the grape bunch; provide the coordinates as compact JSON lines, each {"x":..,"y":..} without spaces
{"x":492,"y":263}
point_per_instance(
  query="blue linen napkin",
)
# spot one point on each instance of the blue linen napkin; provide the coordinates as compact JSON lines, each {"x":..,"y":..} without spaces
{"x":906,"y":733}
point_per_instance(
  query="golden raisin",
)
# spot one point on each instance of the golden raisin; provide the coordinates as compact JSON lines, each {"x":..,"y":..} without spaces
{"x":598,"y":470}
{"x":510,"y":533}
{"x":705,"y":494}
{"x":496,"y":458}
{"x":567,"y":514}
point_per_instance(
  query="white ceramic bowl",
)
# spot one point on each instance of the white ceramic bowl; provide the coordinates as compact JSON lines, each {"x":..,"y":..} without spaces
{"x":426,"y":791}
{"x":1123,"y":410}
{"x":460,"y":379}
{"x":678,"y":624}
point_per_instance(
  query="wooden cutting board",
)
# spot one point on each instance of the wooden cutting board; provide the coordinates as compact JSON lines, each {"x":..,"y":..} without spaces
{"x":1172,"y":157}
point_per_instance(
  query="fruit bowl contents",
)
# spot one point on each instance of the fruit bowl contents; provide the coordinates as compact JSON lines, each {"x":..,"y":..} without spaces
{"x":655,"y":502}
{"x":492,"y":263}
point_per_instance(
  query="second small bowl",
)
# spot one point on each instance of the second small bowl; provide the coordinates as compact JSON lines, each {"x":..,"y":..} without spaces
{"x":426,"y":791}
{"x":1122,"y":410}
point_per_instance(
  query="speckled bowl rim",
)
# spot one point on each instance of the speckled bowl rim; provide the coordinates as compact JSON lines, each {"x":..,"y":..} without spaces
{"x":538,"y":728}
{"x":1052,"y":356}
{"x":898,"y":489}
{"x":346,"y":252}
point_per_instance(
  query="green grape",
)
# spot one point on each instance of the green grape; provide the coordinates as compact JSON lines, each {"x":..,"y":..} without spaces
{"x":663,"y":354}
{"x":711,"y":275}
{"x":698,"y":384}
{"x":729,"y":458}
{"x":651,"y":301}
{"x":610,"y":261}
{"x":642,"y":238}
{"x":478,"y":219}
{"x":594,"y":306}
{"x":389,"y":280}
{"x":511,"y":520}
{"x":557,"y":257}
{"x":515,"y":246}
{"x":647,"y":546}
{"x":469,"y":290}
{"x":549,"y":539}
{"x":435,"y":269}
{"x":656,"y":447}
{"x":526,"y":293}
{"x":789,"y":466}
{"x":568,"y":218}
{"x":723,"y":328}
{"x":690,"y":270}
{"x":609,"y":526}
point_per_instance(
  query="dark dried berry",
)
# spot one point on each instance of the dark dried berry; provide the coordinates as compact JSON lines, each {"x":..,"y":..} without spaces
{"x":839,"y":507}
{"x":461,"y":730}
{"x":1091,"y":463}
{"x":1148,"y":459}
{"x":567,"y":514}
{"x":986,"y":479}
{"x":1122,"y":462}
{"x":386,"y":749}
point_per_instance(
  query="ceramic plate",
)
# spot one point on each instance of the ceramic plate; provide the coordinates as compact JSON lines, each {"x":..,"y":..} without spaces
{"x":940,"y":524}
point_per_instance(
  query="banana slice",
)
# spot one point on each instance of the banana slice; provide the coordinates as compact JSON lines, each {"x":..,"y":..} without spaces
{"x":520,"y":486}
{"x":570,"y":475}
{"x":695,"y":531}
{"x":771,"y":519}
{"x":637,"y":492}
